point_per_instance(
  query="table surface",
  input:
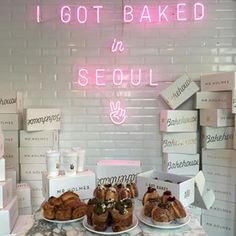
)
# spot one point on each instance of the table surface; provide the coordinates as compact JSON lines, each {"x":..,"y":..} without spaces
{"x":35,"y":225}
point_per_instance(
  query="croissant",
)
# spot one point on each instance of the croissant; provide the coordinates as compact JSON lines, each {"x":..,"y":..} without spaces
{"x":79,"y":211}
{"x":48,"y":211}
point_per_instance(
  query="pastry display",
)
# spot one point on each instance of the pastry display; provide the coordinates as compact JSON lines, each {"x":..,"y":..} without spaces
{"x":162,"y":209}
{"x":111,"y":206}
{"x":66,"y":207}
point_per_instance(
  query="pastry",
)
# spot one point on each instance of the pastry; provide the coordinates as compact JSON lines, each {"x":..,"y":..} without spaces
{"x":165,"y":196}
{"x":68,"y":194}
{"x":48,"y":211}
{"x":100,"y":192}
{"x":79,"y":211}
{"x":63,"y":213}
{"x":124,"y":193}
{"x":55,"y":201}
{"x":148,"y":207}
{"x":111,"y":194}
{"x":90,"y":208}
{"x":177,"y":207}
{"x":100,"y":217}
{"x":73,"y":202}
{"x":150,"y":194}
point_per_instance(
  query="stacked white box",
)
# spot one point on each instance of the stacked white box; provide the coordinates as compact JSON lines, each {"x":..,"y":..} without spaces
{"x":218,"y":156}
{"x":23,"y":192}
{"x":40,"y":135}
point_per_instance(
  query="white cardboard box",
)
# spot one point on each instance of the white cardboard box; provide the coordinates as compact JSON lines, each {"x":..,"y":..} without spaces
{"x":215,"y":226}
{"x":179,"y":91}
{"x":117,"y":171}
{"x":33,"y":155}
{"x":186,"y":143}
{"x":83,"y":184}
{"x":182,"y":187}
{"x":219,"y":157}
{"x":8,"y":217}
{"x":11,"y":174}
{"x":47,"y":138}
{"x":32,"y":171}
{"x":216,"y":117}
{"x":224,"y":81}
{"x":16,"y":167}
{"x":203,"y":197}
{"x":223,"y":192}
{"x":5,"y":193}
{"x":217,"y":138}
{"x":178,"y":121}
{"x":213,"y":100}
{"x":23,"y":193}
{"x":181,"y":164}
{"x":234,"y":102}
{"x":224,"y":175}
{"x":36,"y":188}
{"x":11,"y":102}
{"x":37,"y":119}
{"x":25,"y":211}
{"x":11,"y":121}
{"x":1,"y":143}
{"x":2,"y":169}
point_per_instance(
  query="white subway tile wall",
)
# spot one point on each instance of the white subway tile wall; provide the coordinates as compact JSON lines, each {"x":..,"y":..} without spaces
{"x":42,"y":60}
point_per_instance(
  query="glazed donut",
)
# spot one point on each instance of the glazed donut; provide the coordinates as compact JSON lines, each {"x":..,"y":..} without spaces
{"x":150,"y":194}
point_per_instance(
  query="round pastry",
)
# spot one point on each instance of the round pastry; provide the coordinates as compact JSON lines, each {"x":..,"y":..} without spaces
{"x":72,"y":202}
{"x":165,"y":196}
{"x":132,"y":191}
{"x":48,"y":211}
{"x":149,"y":206}
{"x":63,"y":213}
{"x":100,"y":217}
{"x":80,"y":211}
{"x":55,"y":201}
{"x":111,"y":194}
{"x":135,"y":188}
{"x":119,"y":188}
{"x":150,"y":194}
{"x":124,"y":193}
{"x":177,"y":207}
{"x":90,"y":208}
{"x":68,"y":194}
{"x":162,"y":213}
{"x":100,"y":192}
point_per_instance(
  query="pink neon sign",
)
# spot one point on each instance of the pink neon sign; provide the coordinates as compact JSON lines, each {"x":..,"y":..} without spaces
{"x":117,"y":113}
{"x":182,"y":11}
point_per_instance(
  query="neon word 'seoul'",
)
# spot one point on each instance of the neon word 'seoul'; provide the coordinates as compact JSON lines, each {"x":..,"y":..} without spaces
{"x":132,"y":14}
{"x":137,"y":77}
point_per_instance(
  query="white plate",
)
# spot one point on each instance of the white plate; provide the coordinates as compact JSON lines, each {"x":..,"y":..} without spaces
{"x":63,"y":221}
{"x":173,"y":225}
{"x":109,"y":229}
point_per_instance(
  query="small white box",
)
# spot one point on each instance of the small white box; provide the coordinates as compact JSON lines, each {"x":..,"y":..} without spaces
{"x":213,"y":100}
{"x":2,"y":169}
{"x":5,"y":193}
{"x":234,"y":102}
{"x":32,"y":171}
{"x":219,"y":157}
{"x":37,"y":201}
{"x":8,"y":217}
{"x":182,"y":187}
{"x":39,"y":139}
{"x":11,"y":155}
{"x":11,"y":143}
{"x":179,"y":91}
{"x":224,"y":175}
{"x":181,"y":164}
{"x":203,"y":197}
{"x":1,"y":143}
{"x":25,"y":211}
{"x":178,"y":121}
{"x":83,"y":184}
{"x":186,"y":143}
{"x":216,"y":117}
{"x":224,"y":81}
{"x":11,"y":102}
{"x":223,"y":192}
{"x":117,"y":171}
{"x":216,"y":226}
{"x":37,"y":119}
{"x":33,"y":155}
{"x":11,"y":174}
{"x":16,"y":167}
{"x":217,"y":138}
{"x":36,"y":188}
{"x":11,"y":121}
{"x":23,"y":193}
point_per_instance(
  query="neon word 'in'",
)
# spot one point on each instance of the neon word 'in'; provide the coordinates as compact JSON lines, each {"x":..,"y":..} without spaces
{"x":117,"y":113}
{"x":117,"y":46}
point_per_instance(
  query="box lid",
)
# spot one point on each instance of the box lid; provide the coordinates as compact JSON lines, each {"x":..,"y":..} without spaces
{"x":203,"y":198}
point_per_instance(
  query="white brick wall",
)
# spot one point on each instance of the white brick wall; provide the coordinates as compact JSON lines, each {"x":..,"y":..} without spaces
{"x":40,"y":59}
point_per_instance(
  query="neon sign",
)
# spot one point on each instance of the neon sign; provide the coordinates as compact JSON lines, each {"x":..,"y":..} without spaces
{"x":131,"y":14}
{"x":117,"y":113}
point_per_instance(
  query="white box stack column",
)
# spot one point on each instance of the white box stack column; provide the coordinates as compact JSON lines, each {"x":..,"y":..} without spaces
{"x":40,"y":134}
{"x":217,"y":118}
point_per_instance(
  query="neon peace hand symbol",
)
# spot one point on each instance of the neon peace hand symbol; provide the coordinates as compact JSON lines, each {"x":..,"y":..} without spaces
{"x":117,"y":113}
